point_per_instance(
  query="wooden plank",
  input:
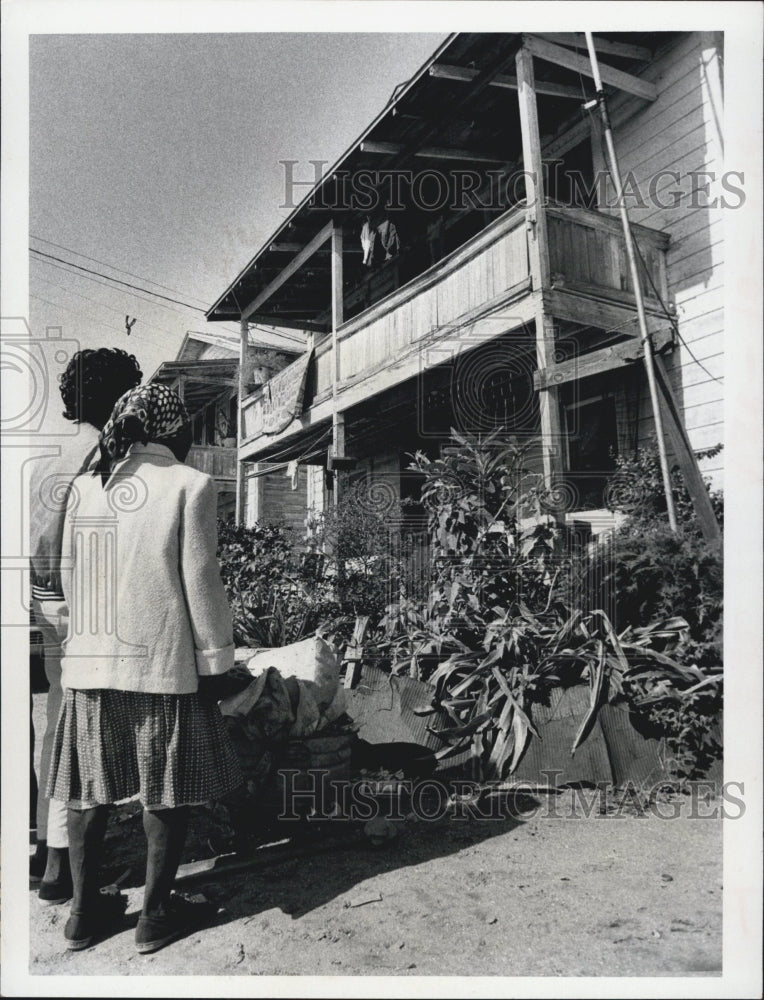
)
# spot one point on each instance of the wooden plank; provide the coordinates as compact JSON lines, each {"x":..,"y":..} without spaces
{"x":466,"y":75}
{"x":428,"y":152}
{"x":685,"y":456}
{"x":294,"y":265}
{"x":608,"y":223}
{"x":290,"y":324}
{"x":506,"y":224}
{"x":560,"y":56}
{"x":614,"y":315}
{"x":577,"y":39}
{"x":594,"y":362}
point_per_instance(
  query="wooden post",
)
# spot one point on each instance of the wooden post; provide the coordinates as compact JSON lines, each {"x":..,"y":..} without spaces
{"x":538,"y":248}
{"x":685,"y":456}
{"x":338,"y":419}
{"x":243,"y":345}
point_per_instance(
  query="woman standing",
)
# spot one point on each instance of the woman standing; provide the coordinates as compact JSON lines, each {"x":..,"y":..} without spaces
{"x":150,"y":629}
{"x":90,"y":386}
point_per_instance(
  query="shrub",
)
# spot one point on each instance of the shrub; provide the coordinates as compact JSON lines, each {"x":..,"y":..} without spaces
{"x":495,"y":635}
{"x":646,"y":571}
{"x":275,"y":598}
{"x":358,"y":541}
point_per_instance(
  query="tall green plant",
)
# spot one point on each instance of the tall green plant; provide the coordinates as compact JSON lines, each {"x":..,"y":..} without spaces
{"x":493,"y":636}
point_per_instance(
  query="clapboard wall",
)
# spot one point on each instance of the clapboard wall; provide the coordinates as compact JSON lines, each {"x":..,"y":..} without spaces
{"x":270,"y":498}
{"x":682,"y":132}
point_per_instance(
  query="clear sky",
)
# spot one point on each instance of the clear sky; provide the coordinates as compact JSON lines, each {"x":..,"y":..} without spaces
{"x":159,"y":155}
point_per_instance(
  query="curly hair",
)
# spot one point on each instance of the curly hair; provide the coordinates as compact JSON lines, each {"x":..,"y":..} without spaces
{"x":93,"y":382}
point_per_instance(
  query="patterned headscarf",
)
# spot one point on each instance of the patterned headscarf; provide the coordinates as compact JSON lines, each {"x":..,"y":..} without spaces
{"x":150,"y":412}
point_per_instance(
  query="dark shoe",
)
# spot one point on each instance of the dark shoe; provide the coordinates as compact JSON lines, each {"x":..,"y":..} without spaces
{"x":180,"y":916}
{"x":84,"y":929}
{"x":53,"y":893}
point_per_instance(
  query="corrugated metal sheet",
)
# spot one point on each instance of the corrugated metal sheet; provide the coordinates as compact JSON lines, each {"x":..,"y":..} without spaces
{"x":614,"y":752}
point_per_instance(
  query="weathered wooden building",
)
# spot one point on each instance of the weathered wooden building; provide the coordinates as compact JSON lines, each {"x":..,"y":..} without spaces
{"x":206,"y":375}
{"x":463,"y":265}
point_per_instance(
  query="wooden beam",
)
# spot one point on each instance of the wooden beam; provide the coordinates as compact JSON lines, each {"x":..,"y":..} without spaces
{"x":429,"y":152}
{"x":685,"y":456}
{"x":538,"y":242}
{"x":577,"y":39}
{"x":608,"y":315}
{"x":595,"y":362}
{"x":338,"y":419}
{"x":290,"y":324}
{"x":560,"y":56}
{"x":294,"y":265}
{"x":208,"y":380}
{"x":465,"y":75}
{"x":243,"y":380}
{"x":538,"y":250}
{"x":296,"y":247}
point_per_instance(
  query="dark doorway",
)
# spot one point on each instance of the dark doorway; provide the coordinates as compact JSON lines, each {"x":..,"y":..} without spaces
{"x":592,"y":442}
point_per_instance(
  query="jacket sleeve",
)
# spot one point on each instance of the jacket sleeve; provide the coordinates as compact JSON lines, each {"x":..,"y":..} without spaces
{"x":208,"y":608}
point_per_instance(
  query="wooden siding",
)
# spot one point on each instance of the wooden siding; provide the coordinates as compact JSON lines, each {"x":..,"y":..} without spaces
{"x":680,"y":132}
{"x":270,"y":498}
{"x":220,"y":463}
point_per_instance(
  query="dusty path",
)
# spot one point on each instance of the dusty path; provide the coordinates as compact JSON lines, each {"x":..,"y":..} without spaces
{"x":602,"y":896}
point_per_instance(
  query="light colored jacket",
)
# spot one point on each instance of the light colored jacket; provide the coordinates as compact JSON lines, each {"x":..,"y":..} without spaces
{"x":148,"y":611}
{"x":49,"y":484}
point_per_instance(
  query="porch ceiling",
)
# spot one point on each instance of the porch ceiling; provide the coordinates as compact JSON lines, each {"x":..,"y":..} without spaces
{"x":459,"y":110}
{"x":203,"y":381}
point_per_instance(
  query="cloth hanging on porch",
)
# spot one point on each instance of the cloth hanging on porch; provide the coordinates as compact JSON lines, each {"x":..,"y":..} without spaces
{"x":375,"y":238}
{"x":292,"y":471}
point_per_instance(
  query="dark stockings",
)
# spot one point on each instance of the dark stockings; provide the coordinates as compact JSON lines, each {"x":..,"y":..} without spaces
{"x":87,"y":829}
{"x":165,"y":831}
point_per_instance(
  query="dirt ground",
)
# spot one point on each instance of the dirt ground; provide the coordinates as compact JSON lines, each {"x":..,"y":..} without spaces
{"x":527,"y":894}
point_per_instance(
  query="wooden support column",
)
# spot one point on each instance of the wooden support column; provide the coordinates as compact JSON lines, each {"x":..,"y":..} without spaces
{"x":338,"y":419}
{"x":243,"y":346}
{"x":538,"y":249}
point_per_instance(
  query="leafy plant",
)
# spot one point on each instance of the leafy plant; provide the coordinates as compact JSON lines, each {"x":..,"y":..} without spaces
{"x":274,"y":599}
{"x":358,"y":541}
{"x":494,"y":637}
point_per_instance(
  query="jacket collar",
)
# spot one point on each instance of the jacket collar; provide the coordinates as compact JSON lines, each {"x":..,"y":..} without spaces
{"x":139,"y":451}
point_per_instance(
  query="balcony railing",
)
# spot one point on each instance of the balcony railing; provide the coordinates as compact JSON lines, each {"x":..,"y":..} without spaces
{"x":220,"y":463}
{"x":587,"y":256}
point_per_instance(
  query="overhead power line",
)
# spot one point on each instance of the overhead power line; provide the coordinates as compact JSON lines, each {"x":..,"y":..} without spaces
{"x":116,"y":281}
{"x":113,"y":267}
{"x":92,"y":275}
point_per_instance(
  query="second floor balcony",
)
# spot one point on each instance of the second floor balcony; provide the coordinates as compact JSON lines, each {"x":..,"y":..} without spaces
{"x":481,"y":291}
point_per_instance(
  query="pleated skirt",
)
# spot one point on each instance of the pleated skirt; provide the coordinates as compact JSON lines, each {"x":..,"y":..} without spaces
{"x":166,"y":750}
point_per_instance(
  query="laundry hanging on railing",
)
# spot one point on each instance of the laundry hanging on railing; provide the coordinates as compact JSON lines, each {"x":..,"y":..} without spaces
{"x":377,"y":238}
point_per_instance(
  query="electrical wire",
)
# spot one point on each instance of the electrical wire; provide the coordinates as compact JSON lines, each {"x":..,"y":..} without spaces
{"x":60,"y":305}
{"x":90,"y":271}
{"x":671,"y":319}
{"x":103,"y":305}
{"x":284,"y":451}
{"x":113,"y":267}
{"x":116,"y":281}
